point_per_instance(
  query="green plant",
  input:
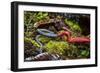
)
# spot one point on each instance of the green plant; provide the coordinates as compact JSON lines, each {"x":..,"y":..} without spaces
{"x":31,"y":17}
{"x":33,"y":42}
{"x":74,"y":26}
{"x":45,"y":40}
{"x":73,"y":52}
{"x":85,"y":53}
{"x":30,"y":47}
{"x":56,"y":47}
{"x":41,"y":16}
{"x":28,"y":34}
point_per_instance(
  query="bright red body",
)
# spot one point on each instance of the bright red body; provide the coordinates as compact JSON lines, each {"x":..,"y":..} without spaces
{"x":74,"y":39}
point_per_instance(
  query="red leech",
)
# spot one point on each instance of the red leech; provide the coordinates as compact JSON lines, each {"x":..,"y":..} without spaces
{"x":74,"y":39}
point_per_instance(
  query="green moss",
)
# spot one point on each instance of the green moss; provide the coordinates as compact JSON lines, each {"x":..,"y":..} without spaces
{"x":44,"y":39}
{"x":72,"y":52}
{"x":73,"y":25}
{"x":56,"y":47}
{"x":32,"y":17}
{"x":30,"y":47}
{"x":28,"y":34}
{"x":85,"y":54}
{"x":34,"y":43}
{"x":76,"y":28}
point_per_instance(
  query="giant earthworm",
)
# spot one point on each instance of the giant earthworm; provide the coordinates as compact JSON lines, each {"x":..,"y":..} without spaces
{"x":70,"y":39}
{"x":74,"y":39}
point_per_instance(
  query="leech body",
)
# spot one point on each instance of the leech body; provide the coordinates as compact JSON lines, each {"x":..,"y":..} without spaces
{"x":74,"y":39}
